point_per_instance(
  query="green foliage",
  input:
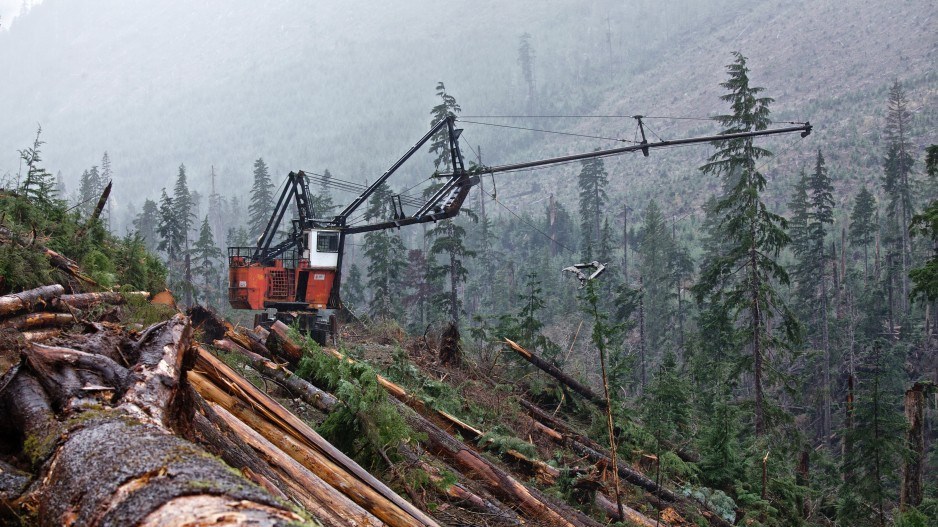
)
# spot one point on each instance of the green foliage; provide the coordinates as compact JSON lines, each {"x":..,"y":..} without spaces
{"x":592,"y":183}
{"x":262,"y":200}
{"x":367,"y":426}
{"x":439,"y":143}
{"x":717,"y":500}
{"x":503,"y":440}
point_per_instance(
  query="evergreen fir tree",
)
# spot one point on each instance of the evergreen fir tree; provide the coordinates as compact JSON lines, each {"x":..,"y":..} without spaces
{"x":741,"y":280}
{"x":386,"y":260}
{"x":262,"y":200}
{"x":654,"y":252}
{"x":439,"y":143}
{"x":526,"y":61}
{"x":182,"y":206}
{"x":863,"y":225}
{"x":146,"y":224}
{"x":169,"y":229}
{"x":207,"y":258}
{"x":897,"y":185}
{"x":448,"y":240}
{"x":38,"y":185}
{"x":353,"y":289}
{"x":321,"y":202}
{"x":592,"y":183}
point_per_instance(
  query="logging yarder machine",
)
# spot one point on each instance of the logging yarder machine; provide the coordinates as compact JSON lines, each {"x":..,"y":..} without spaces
{"x":297,"y":280}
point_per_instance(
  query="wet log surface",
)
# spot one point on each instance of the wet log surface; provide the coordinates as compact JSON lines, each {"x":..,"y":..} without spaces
{"x":105,"y":444}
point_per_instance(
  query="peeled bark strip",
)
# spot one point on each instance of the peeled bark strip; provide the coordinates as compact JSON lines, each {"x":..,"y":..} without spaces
{"x":28,"y":300}
{"x":555,"y":372}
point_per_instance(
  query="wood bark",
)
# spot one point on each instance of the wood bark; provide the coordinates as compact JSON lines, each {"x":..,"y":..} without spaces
{"x":501,"y":484}
{"x":556,"y":373}
{"x":280,"y":333}
{"x":634,"y":517}
{"x":99,"y":437}
{"x":218,"y":383}
{"x":914,"y":466}
{"x":86,"y":300}
{"x":29,"y":300}
{"x":42,"y":319}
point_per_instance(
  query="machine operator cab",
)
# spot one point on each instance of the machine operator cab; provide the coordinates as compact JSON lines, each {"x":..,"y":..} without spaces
{"x":318,"y":267}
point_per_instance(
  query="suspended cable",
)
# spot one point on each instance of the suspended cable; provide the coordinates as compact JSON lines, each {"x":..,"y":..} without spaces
{"x":617,"y":139}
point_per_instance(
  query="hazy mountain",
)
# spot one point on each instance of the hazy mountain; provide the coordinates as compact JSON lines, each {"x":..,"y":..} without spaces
{"x":349,"y":85}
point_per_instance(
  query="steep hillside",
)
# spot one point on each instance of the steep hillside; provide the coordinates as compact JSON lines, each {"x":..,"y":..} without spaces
{"x":348,"y":85}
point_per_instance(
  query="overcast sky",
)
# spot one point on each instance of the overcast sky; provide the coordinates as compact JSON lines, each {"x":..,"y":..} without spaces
{"x":10,"y":8}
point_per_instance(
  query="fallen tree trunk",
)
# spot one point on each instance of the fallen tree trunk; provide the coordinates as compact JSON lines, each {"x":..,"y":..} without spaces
{"x":556,"y":373}
{"x":107,"y":457}
{"x":634,"y":517}
{"x":279,"y":332}
{"x":28,"y":300}
{"x":320,"y":399}
{"x":329,"y":505}
{"x":496,"y":480}
{"x":43,"y":319}
{"x":218,"y":383}
{"x":86,"y":300}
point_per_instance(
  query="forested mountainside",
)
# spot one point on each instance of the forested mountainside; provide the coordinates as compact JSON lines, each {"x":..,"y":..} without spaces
{"x":762,"y":331}
{"x":346,"y":86}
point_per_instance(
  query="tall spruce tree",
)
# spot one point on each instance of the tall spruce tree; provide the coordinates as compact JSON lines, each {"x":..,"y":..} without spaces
{"x":169,"y":229}
{"x":386,"y":260}
{"x":863,"y":225}
{"x":741,"y":279}
{"x":449,"y":241}
{"x":592,"y":183}
{"x":654,"y":252}
{"x":146,"y":223}
{"x":38,"y":185}
{"x":439,"y":143}
{"x":897,"y":185}
{"x":262,"y":200}
{"x":526,"y":61}
{"x":182,"y":205}
{"x":207,"y":258}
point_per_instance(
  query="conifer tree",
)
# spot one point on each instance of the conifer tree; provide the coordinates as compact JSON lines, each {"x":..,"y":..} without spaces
{"x":439,"y":143}
{"x":353,"y":288}
{"x":526,"y":61}
{"x":448,"y":240}
{"x":654,"y":252}
{"x":321,"y":203}
{"x":863,"y":225}
{"x":262,"y":200}
{"x":207,"y":258}
{"x":897,"y":185}
{"x":182,"y":206}
{"x":386,"y":260}
{"x":38,"y":185}
{"x":146,"y":223}
{"x":169,"y":229}
{"x":592,"y":183}
{"x":741,"y":279}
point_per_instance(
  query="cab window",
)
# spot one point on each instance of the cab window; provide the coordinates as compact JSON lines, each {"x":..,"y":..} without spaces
{"x":327,"y":242}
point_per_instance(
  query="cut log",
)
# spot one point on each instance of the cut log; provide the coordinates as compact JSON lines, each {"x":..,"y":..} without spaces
{"x":43,"y":319}
{"x":320,"y":399}
{"x":328,"y":504}
{"x":279,"y":332}
{"x":556,"y":373}
{"x":496,"y":480}
{"x":111,"y":460}
{"x":460,"y":493}
{"x":634,"y":517}
{"x":293,"y":436}
{"x":29,"y":300}
{"x":86,"y":300}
